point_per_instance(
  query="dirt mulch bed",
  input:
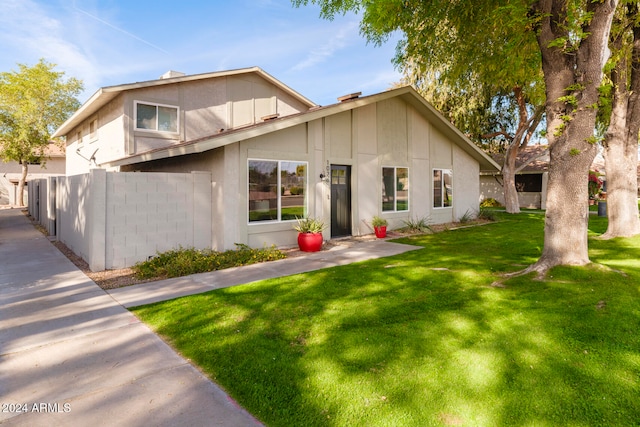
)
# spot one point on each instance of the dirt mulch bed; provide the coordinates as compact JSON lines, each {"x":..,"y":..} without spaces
{"x":107,"y":279}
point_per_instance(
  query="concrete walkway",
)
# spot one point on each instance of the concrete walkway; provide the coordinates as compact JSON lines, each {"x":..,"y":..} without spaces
{"x":71,"y":354}
{"x":340,"y":253}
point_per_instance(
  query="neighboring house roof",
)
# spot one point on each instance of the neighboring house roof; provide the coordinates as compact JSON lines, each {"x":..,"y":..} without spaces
{"x":540,"y":162}
{"x":539,"y":154}
{"x":235,"y":135}
{"x":106,"y":94}
{"x":54,"y":150}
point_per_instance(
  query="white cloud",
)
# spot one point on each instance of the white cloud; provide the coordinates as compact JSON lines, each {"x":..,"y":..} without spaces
{"x":324,"y":51}
{"x":110,"y":43}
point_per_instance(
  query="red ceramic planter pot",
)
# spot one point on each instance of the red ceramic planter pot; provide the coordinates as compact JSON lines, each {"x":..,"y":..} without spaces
{"x":381,"y":231}
{"x":310,"y":242}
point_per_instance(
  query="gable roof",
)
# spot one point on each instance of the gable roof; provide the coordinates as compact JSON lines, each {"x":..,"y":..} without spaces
{"x":407,"y":93}
{"x":106,"y":94}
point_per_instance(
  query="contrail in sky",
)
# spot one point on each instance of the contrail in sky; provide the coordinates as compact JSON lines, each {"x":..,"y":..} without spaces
{"x":120,"y":30}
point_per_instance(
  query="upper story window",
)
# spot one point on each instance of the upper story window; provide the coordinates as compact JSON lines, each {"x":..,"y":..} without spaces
{"x":93,"y":130}
{"x":79,"y":137}
{"x":442,"y":188}
{"x":395,"y":189}
{"x":156,"y":117}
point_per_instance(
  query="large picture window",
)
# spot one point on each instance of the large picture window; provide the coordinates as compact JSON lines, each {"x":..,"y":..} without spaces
{"x":395,"y":189}
{"x":277,"y":190}
{"x":156,"y":117}
{"x":442,"y":188}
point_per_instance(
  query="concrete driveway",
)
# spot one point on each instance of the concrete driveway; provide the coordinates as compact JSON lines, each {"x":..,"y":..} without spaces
{"x":70,"y":355}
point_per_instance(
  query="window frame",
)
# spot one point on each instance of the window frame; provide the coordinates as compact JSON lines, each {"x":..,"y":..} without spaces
{"x":442,"y":188}
{"x":157,"y":106}
{"x":93,"y":130}
{"x":279,"y":195}
{"x":395,"y":189}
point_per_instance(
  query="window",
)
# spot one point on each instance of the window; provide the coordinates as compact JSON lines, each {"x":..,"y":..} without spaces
{"x":442,"y":188}
{"x":161,"y":118}
{"x":277,"y":190}
{"x":395,"y":189}
{"x":79,"y":137}
{"x":93,"y":130}
{"x":529,"y":183}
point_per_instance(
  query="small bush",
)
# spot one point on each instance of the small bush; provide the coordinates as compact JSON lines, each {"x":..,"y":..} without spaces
{"x":181,"y":262}
{"x":486,"y":214}
{"x":490,"y":203}
{"x":467,"y":217}
{"x":296,"y":191}
{"x":418,"y":225}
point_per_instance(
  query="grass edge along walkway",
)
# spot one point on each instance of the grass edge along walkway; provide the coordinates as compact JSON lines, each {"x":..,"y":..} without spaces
{"x":421,"y":338}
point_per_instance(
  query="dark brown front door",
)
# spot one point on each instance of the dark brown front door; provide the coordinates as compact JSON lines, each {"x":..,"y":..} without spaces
{"x":340,"y":200}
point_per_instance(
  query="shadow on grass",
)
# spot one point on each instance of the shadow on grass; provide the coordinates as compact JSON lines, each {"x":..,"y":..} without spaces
{"x":422,"y":339}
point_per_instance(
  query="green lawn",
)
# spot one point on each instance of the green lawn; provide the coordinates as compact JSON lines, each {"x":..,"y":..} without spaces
{"x":422,"y":338}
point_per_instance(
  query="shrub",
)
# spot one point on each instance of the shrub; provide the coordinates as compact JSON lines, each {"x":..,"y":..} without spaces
{"x":467,"y":217}
{"x":418,"y":225}
{"x":377,"y":221}
{"x":296,"y":191}
{"x":490,"y":203}
{"x":181,"y":262}
{"x":486,"y":214}
{"x":309,"y":225}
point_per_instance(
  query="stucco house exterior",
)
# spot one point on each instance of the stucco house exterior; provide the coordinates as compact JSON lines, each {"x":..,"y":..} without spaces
{"x":271,"y":155}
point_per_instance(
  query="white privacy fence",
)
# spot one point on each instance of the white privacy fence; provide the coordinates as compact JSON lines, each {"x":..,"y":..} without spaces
{"x":115,"y":219}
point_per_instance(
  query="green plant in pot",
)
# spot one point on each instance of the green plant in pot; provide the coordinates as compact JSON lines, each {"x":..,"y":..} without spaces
{"x":309,"y":233}
{"x":379,"y":226}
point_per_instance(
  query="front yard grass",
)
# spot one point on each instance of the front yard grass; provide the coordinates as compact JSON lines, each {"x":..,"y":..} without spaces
{"x":423,"y":339}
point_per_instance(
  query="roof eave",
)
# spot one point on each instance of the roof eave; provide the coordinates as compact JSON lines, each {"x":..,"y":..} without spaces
{"x":221,"y":140}
{"x":106,"y":94}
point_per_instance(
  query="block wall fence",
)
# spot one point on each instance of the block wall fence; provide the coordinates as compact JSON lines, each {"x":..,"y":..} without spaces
{"x":115,"y":219}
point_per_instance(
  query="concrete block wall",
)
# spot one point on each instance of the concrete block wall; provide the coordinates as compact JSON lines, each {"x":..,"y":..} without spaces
{"x":72,"y":212}
{"x":114,"y":220}
{"x":148,"y":213}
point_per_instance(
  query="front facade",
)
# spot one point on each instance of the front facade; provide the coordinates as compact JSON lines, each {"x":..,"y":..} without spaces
{"x":390,"y":154}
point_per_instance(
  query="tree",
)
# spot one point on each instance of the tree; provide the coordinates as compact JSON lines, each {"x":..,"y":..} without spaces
{"x":466,"y":73}
{"x":621,"y":138}
{"x":571,"y":38}
{"x":34,"y":101}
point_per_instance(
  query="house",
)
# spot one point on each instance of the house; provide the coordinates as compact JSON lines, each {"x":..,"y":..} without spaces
{"x":130,"y":119}
{"x":11,"y":172}
{"x":267,"y":155}
{"x":532,"y":164}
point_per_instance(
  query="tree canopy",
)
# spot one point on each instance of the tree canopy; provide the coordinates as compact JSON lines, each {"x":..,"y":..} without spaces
{"x":480,"y":66}
{"x":34,"y":101}
{"x":505,"y":44}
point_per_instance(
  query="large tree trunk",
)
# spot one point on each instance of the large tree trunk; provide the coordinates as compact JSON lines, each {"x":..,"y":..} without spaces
{"x":622,"y":188}
{"x":621,"y":141}
{"x":572,"y":78}
{"x":511,"y":200}
{"x":23,"y":179}
{"x":525,"y":131}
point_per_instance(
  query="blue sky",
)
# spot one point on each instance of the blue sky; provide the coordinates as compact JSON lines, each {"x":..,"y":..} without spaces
{"x":112,"y":42}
